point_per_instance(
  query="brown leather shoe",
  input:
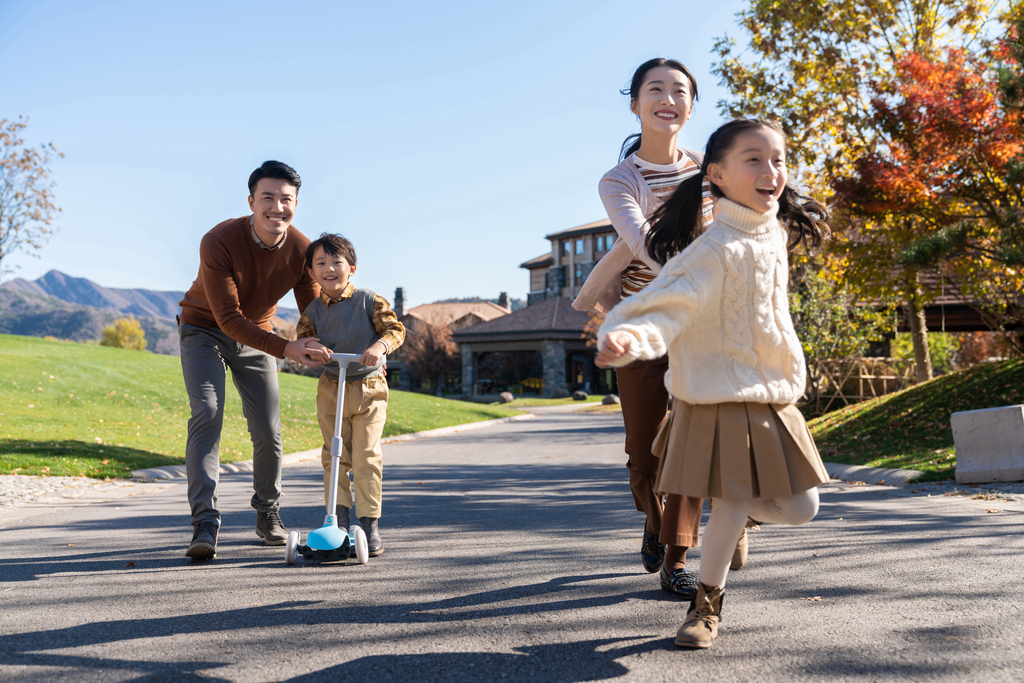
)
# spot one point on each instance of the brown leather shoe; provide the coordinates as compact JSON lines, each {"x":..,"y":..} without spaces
{"x":204,"y":541}
{"x":270,"y":528}
{"x":701,"y":625}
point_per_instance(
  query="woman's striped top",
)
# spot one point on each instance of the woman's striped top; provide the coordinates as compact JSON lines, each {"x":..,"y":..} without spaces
{"x":662,"y":179}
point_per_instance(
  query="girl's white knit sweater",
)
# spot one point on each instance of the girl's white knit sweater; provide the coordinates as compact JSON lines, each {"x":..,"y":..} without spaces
{"x":720,"y":311}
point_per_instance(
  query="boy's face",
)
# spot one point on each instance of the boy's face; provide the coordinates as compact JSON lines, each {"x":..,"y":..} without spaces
{"x":331,"y":272}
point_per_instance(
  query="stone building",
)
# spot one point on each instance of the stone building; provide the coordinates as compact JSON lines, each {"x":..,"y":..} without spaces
{"x":457,"y":315}
{"x":541,"y":349}
{"x":537,"y":350}
{"x":565,"y":267}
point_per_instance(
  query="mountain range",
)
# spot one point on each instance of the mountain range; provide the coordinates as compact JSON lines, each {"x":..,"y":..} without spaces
{"x":137,"y":302}
{"x":67,"y":307}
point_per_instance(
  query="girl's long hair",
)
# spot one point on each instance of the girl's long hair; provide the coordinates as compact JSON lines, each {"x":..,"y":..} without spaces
{"x":679,"y":220}
{"x":632,"y":143}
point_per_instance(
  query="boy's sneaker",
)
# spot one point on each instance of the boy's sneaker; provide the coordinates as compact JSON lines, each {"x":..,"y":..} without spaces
{"x":373,"y":542}
{"x":204,"y":541}
{"x":681,"y":583}
{"x":652,"y":553}
{"x":270,"y":528}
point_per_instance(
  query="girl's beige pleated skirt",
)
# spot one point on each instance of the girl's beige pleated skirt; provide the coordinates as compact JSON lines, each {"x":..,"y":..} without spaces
{"x":737,"y":451}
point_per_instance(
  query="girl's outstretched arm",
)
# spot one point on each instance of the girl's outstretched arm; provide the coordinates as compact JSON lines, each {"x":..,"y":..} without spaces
{"x":655,"y":316}
{"x":614,"y":346}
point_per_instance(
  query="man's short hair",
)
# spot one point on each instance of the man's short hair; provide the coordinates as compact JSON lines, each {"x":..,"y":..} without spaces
{"x":277,"y":170}
{"x":333,"y":245}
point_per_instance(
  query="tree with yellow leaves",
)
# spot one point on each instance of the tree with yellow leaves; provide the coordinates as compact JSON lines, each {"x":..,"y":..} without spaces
{"x":125,"y":333}
{"x":815,"y":66}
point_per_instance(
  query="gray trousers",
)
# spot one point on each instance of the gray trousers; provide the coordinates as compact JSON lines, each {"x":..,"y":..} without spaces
{"x":206,"y":355}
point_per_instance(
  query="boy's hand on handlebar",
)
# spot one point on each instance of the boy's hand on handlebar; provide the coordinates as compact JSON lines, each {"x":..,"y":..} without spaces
{"x":372,"y":355}
{"x":615,"y":346}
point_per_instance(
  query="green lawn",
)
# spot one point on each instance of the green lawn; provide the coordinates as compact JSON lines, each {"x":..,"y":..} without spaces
{"x":910,"y":429}
{"x":94,"y":411}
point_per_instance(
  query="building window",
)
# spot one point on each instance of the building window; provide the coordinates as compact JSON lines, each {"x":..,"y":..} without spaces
{"x":604,"y":242}
{"x":582,"y":271}
{"x":579,"y":246}
{"x":565,"y":248}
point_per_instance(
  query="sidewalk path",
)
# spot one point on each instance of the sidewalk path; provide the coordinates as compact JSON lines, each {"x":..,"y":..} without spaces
{"x":511,"y":555}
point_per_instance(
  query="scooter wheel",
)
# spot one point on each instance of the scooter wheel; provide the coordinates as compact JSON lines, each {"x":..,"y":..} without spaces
{"x":362,"y":549}
{"x":291,"y":547}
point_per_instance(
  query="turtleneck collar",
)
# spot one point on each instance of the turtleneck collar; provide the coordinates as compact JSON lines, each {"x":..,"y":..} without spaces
{"x":746,"y":220}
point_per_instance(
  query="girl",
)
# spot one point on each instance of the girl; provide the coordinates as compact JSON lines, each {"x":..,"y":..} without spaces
{"x":651,"y":166}
{"x":719,"y":309}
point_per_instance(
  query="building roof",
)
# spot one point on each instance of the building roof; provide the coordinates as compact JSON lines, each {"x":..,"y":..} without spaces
{"x":538,"y":262}
{"x":603,"y":225}
{"x":448,"y":313}
{"x":553,"y":318}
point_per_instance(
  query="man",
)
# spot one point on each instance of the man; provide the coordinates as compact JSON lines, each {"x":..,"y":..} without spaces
{"x":245,"y":266}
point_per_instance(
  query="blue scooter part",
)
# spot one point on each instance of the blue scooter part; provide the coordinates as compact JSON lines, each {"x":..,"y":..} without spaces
{"x":327,"y":537}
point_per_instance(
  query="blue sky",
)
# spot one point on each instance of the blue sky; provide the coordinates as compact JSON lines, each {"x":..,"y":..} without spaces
{"x":444,"y":139}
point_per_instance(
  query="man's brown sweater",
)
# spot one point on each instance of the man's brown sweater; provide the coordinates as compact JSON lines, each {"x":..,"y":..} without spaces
{"x":240,"y":283}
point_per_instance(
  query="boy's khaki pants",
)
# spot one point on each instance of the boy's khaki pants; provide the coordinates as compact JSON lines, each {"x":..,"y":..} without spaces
{"x":362,"y":423}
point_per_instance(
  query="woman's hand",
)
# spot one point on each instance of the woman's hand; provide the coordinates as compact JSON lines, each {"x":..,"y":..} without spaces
{"x":614,"y":347}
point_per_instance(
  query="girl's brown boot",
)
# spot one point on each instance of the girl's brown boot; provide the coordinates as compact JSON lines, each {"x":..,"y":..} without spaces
{"x":701,"y":625}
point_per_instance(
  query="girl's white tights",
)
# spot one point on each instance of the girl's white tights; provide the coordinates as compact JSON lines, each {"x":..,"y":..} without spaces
{"x":728,"y":517}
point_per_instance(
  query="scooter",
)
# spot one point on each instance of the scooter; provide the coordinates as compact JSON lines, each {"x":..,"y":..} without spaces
{"x":330,"y":543}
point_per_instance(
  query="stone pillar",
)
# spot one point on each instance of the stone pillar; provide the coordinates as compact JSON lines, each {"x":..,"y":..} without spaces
{"x":468,"y":371}
{"x":399,"y":307}
{"x":553,"y":354}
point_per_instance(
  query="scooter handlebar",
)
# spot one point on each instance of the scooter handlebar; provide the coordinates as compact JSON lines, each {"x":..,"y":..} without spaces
{"x":344,"y":359}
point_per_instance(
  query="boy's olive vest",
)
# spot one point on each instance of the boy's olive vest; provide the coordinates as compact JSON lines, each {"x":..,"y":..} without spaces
{"x":346,"y":327}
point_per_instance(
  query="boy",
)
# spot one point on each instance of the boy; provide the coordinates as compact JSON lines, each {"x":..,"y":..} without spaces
{"x":350,"y":320}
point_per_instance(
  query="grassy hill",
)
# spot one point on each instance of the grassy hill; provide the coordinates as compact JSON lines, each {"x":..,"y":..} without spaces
{"x":910,"y":429}
{"x":75,"y":409}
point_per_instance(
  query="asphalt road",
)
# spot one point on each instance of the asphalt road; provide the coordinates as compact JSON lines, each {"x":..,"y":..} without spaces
{"x":511,"y":555}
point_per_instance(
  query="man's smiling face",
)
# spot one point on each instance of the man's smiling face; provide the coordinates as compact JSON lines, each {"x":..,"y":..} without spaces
{"x":273,"y":207}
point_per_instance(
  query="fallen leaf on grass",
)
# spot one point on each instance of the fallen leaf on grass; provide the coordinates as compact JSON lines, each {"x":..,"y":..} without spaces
{"x":130,"y":564}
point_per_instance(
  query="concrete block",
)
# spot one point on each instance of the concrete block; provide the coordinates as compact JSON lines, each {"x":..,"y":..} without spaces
{"x":989,"y":444}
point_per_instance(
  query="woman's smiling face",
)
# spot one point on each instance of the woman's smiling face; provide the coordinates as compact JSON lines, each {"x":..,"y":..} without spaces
{"x":664,"y":102}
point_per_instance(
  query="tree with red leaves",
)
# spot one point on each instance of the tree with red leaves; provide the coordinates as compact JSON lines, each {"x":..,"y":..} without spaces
{"x":941,"y":189}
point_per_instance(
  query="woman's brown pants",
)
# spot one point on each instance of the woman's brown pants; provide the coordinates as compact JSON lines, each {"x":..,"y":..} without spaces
{"x":644,"y":405}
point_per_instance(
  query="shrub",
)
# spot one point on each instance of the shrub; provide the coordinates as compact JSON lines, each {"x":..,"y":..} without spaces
{"x":125,"y":333}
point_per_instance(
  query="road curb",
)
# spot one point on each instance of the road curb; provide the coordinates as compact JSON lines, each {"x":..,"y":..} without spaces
{"x":178,"y":471}
{"x":878,"y":476}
